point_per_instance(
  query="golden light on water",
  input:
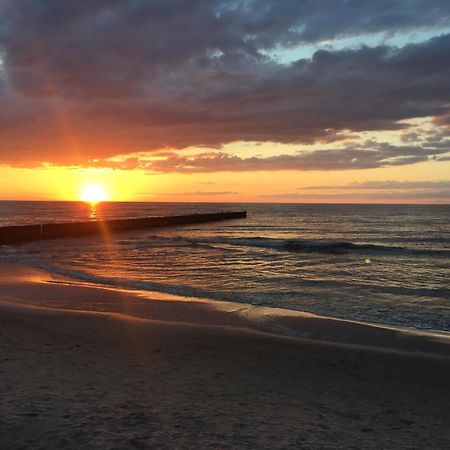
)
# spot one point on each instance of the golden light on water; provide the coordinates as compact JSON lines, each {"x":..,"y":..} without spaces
{"x":94,"y":193}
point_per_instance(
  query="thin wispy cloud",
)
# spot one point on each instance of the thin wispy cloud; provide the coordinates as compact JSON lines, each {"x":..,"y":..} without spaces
{"x":386,"y":185}
{"x":371,"y":190}
{"x":429,"y":195}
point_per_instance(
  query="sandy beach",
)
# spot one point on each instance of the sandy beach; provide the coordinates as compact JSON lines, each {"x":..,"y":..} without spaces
{"x":208,"y":378}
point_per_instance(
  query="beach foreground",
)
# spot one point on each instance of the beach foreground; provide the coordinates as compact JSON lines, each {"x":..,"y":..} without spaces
{"x":79,"y":379}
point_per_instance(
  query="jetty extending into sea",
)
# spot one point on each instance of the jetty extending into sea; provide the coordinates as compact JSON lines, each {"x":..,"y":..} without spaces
{"x":26,"y":233}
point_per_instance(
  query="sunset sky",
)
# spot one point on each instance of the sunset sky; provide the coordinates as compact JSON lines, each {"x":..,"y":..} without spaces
{"x":239,"y":100}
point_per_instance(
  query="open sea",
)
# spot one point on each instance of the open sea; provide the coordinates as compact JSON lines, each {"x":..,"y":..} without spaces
{"x":386,"y":264}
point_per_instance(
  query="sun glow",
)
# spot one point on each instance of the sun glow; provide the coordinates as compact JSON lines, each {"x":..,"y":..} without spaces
{"x":93,"y":193}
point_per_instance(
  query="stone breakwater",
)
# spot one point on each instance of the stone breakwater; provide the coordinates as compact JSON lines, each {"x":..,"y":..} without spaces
{"x":27,"y":233}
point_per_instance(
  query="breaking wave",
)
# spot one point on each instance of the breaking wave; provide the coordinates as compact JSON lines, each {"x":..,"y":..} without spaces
{"x":295,"y":245}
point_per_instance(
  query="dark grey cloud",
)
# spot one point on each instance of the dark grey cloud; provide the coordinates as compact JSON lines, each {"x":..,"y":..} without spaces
{"x":89,"y":80}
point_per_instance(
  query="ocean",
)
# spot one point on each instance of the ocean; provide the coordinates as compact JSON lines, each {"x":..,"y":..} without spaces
{"x":386,"y":264}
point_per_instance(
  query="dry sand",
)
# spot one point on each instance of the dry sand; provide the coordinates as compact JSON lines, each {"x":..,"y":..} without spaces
{"x":77,"y":379}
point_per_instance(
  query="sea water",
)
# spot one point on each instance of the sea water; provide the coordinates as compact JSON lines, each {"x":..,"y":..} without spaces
{"x":385,"y":264}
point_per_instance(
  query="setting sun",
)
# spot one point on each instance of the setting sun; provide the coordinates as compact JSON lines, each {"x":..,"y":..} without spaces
{"x":93,"y":193}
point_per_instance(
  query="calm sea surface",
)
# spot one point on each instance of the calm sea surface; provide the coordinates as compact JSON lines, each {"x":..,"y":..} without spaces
{"x":376,"y":263}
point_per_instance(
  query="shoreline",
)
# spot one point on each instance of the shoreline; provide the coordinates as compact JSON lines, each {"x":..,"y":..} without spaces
{"x":27,"y":286}
{"x":79,"y":379}
{"x":202,"y":377}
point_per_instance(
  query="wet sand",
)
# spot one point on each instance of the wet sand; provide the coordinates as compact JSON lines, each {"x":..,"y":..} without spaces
{"x":80,"y":379}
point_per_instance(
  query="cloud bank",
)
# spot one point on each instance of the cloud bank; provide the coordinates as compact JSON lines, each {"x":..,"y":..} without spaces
{"x":368,"y":155}
{"x":426,"y":191}
{"x":91,"y":80}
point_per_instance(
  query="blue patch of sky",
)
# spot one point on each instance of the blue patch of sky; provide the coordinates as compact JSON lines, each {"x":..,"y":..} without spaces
{"x":306,"y":51}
